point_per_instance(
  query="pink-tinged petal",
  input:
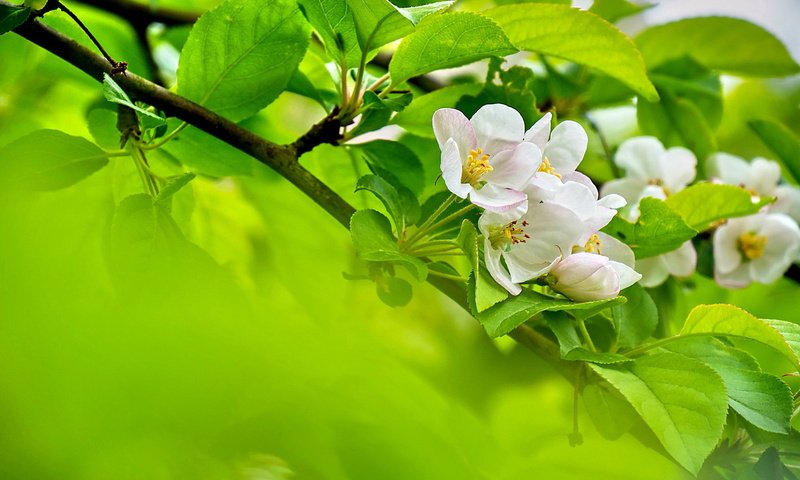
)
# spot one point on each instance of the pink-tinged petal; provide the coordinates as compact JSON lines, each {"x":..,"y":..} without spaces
{"x":496,"y":270}
{"x":653,"y":270}
{"x":679,"y":167}
{"x":566,"y":147}
{"x":764,"y":176}
{"x":580,"y":178}
{"x":522,"y":269}
{"x":728,"y":168}
{"x":628,"y":188}
{"x":540,"y":131}
{"x":450,"y":123}
{"x":627,"y":275}
{"x":726,"y":251}
{"x":641,"y":158}
{"x":498,"y":199}
{"x":452,"y":168}
{"x":736,"y":278}
{"x":553,"y":228}
{"x":514,"y":168}
{"x":682,"y":261}
{"x":497,"y":127}
{"x":585,"y":277}
{"x":616,"y":250}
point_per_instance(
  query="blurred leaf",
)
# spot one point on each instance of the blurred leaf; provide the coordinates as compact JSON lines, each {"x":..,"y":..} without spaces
{"x":377,"y":112}
{"x":301,"y":85}
{"x":613,"y":10}
{"x":553,"y":30}
{"x":172,"y":187}
{"x":513,"y":312}
{"x":395,"y":162}
{"x":790,"y":332}
{"x":102,"y":124}
{"x":241,"y":55}
{"x":703,"y":204}
{"x":729,"y":320}
{"x":681,"y":399}
{"x":403,"y":209}
{"x":610,"y":413}
{"x":658,"y":230}
{"x":416,"y":118}
{"x":12,"y":17}
{"x":448,"y":40}
{"x":372,"y":237}
{"x":393,"y":291}
{"x":636,"y":319}
{"x":570,"y":344}
{"x":782,"y":141}
{"x":115,"y":94}
{"x":49,"y":160}
{"x":678,"y":121}
{"x":720,"y":43}
{"x":207,"y":155}
{"x":514,"y":90}
{"x":760,"y":398}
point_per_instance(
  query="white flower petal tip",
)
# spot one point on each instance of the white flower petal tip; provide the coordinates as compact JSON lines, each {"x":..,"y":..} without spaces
{"x":585,"y":277}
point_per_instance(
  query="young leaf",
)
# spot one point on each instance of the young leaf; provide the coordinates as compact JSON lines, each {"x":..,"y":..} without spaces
{"x":613,"y":10}
{"x":379,"y":22}
{"x":172,"y":187}
{"x":682,"y":400}
{"x":416,"y":118}
{"x":782,"y":141}
{"x":377,"y":112}
{"x":403,"y":209}
{"x":372,"y":237}
{"x":728,"y":320}
{"x":577,"y":36}
{"x":393,"y":291}
{"x":658,"y":230}
{"x":468,"y":242}
{"x":636,"y":319}
{"x":115,"y":94}
{"x":241,"y":55}
{"x":395,"y":162}
{"x":703,"y":204}
{"x":720,"y":43}
{"x":513,"y":312}
{"x":12,"y":17}
{"x":49,"y":160}
{"x":334,"y":23}
{"x":448,"y":40}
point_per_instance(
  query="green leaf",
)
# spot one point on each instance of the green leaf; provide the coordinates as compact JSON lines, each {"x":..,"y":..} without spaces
{"x":658,"y":230}
{"x":636,"y":319}
{"x":207,"y":155}
{"x":447,"y":40}
{"x":682,"y":400}
{"x":241,"y":55}
{"x":334,"y":23}
{"x":393,"y":291}
{"x":570,"y":344}
{"x":102,"y":124}
{"x":790,"y":332}
{"x":782,"y":141}
{"x":372,"y":237}
{"x":301,"y":85}
{"x":115,"y":94}
{"x":729,"y":320}
{"x":172,"y":187}
{"x":613,"y":10}
{"x":483,"y":290}
{"x":513,"y":312}
{"x":416,"y":118}
{"x":610,"y":413}
{"x":577,"y":36}
{"x":379,"y":22}
{"x":720,"y":43}
{"x":395,"y":162}
{"x":403,"y":209}
{"x":678,"y":121}
{"x":760,"y":398}
{"x":512,"y":87}
{"x":468,"y":242}
{"x":377,"y":112}
{"x":49,"y":160}
{"x":703,"y":204}
{"x":12,"y":17}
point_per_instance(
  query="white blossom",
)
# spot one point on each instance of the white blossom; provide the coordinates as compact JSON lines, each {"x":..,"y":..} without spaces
{"x":562,"y":149}
{"x":588,"y":276}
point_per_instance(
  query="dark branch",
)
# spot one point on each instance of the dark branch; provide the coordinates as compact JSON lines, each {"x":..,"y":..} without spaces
{"x":140,"y":13}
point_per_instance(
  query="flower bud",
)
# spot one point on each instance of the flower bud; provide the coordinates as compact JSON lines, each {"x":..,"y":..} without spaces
{"x":585,"y":277}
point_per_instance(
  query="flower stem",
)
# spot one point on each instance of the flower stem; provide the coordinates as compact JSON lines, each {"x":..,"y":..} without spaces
{"x":585,"y":334}
{"x":424,"y":228}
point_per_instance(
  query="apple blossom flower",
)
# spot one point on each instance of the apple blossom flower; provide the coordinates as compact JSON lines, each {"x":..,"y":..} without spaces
{"x":529,"y":245}
{"x":787,"y":201}
{"x":562,"y":149}
{"x":586,"y":276}
{"x":760,"y":177}
{"x":650,"y":167}
{"x":756,"y":248}
{"x":485,"y":157}
{"x":680,"y":262}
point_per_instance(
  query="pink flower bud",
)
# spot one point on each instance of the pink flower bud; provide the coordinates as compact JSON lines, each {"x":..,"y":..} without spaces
{"x":585,"y":277}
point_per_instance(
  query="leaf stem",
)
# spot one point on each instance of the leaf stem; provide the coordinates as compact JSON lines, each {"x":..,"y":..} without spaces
{"x":422,"y":229}
{"x":166,"y":138}
{"x":446,"y":275}
{"x":585,"y":334}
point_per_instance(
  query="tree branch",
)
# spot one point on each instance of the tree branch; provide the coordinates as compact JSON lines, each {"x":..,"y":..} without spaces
{"x":135,"y":12}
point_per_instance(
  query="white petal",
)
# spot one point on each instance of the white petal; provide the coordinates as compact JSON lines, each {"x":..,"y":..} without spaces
{"x":764,"y":176}
{"x":497,"y":127}
{"x":641,"y":158}
{"x":783,"y":242}
{"x":522,"y":270}
{"x":566,"y":147}
{"x":450,"y":123}
{"x":682,"y":261}
{"x":616,"y":250}
{"x":728,"y":168}
{"x":679,"y":167}
{"x":627,"y":275}
{"x":451,"y":169}
{"x":514,"y":168}
{"x":540,"y":131}
{"x":497,"y":271}
{"x":585,"y":277}
{"x":580,"y":178}
{"x":552,"y":225}
{"x":654,"y":271}
{"x":788,"y":201}
{"x":736,"y":278}
{"x":612,"y":201}
{"x":726,"y":251}
{"x":497,"y":199}
{"x":628,"y":188}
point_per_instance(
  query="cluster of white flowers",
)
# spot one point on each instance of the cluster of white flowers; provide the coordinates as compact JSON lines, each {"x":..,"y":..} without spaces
{"x":754,"y":248}
{"x":541,"y":217}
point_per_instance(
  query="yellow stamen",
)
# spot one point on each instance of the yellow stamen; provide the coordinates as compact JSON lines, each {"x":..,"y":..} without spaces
{"x":511,"y":234}
{"x":591,"y":246}
{"x":752,"y":245}
{"x":477,"y":165}
{"x":545,"y":167}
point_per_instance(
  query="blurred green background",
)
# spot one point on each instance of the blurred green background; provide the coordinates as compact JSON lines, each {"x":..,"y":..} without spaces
{"x":254,"y":358}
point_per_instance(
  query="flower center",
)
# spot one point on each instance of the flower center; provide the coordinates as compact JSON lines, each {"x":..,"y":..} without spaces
{"x":752,"y":245}
{"x":477,"y":165}
{"x":502,"y":238}
{"x":659,"y":183}
{"x":546,"y":167}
